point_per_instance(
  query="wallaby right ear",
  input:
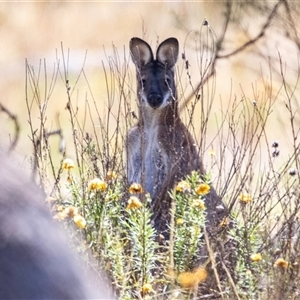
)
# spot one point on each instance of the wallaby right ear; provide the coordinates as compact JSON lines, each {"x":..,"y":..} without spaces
{"x":140,"y":51}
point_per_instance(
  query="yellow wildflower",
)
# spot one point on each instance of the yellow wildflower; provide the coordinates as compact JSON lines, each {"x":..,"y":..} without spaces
{"x":256,"y":257}
{"x":212,"y":152}
{"x":203,"y":189}
{"x":245,"y":198}
{"x":79,"y":221}
{"x":135,"y":188}
{"x":280,"y":262}
{"x":97,"y":185}
{"x":179,"y":221}
{"x":146,"y":289}
{"x":68,"y":164}
{"x":111,"y":175}
{"x":197,"y":229}
{"x":60,"y":216}
{"x":190,"y":280}
{"x":71,"y":211}
{"x":224,"y":222}
{"x":198,"y":203}
{"x":134,"y":202}
{"x":182,"y":186}
{"x":187,"y":280}
{"x":70,"y":179}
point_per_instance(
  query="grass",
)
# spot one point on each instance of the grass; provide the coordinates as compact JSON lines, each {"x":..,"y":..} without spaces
{"x":89,"y":194}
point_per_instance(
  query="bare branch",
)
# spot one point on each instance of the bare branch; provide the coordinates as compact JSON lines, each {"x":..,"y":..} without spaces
{"x":14,"y":118}
{"x":258,"y":36}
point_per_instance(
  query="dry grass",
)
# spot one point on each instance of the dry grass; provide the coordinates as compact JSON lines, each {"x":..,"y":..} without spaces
{"x":85,"y":113}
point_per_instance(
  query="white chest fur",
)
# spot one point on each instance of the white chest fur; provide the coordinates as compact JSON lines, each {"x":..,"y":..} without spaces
{"x":148,"y":163}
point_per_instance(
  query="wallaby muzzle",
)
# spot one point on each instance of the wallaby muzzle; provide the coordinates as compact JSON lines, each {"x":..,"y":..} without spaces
{"x":155,"y":100}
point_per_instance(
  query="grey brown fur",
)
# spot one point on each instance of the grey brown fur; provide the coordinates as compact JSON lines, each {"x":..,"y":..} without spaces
{"x":35,"y":259}
{"x":160,"y":149}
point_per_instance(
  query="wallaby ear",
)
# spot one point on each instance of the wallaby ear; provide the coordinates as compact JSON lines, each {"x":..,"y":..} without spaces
{"x":141,"y":52}
{"x":167,"y":52}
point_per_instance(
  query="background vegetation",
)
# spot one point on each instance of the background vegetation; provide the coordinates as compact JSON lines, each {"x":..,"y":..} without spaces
{"x":247,"y":133}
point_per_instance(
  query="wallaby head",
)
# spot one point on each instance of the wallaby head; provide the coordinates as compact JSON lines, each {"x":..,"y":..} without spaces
{"x":155,"y":76}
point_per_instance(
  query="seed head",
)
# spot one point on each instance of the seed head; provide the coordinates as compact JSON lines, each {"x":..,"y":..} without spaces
{"x":293,"y":172}
{"x":281,"y":263}
{"x":135,"y":188}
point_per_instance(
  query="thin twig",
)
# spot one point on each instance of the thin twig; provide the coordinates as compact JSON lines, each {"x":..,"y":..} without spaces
{"x":14,"y":118}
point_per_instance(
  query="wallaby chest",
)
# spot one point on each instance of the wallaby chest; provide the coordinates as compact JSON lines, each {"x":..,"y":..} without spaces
{"x":151,"y":159}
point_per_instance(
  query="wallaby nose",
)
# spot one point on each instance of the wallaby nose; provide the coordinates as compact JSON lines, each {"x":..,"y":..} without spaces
{"x":155,"y":100}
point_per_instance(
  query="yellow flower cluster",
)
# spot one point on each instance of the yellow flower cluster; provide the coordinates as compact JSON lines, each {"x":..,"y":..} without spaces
{"x":211,"y":152}
{"x":256,"y":257}
{"x":281,"y":263}
{"x":133,"y":203}
{"x":198,"y":203}
{"x":135,"y":188}
{"x":182,"y":186}
{"x":68,"y":164}
{"x":97,"y":185}
{"x":225,"y":222}
{"x":179,"y":221}
{"x":146,"y":289}
{"x":72,"y":213}
{"x":245,"y":198}
{"x":79,"y":221}
{"x":111,"y":175}
{"x":203,"y":189}
{"x":190,"y":280}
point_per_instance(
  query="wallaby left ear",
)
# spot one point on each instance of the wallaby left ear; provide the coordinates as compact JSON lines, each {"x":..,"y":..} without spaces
{"x":167,"y":52}
{"x":140,"y":51}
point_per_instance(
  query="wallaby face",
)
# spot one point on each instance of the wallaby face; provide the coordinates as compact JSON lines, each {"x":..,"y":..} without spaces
{"x":155,"y":78}
{"x":160,"y":149}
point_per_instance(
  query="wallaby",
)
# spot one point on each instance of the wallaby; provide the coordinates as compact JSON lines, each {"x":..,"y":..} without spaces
{"x":36,"y":261}
{"x":160,"y":149}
